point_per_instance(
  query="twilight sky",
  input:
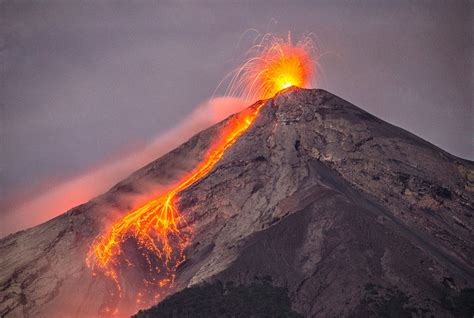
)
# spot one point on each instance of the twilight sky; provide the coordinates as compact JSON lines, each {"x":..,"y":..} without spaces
{"x":81,"y":82}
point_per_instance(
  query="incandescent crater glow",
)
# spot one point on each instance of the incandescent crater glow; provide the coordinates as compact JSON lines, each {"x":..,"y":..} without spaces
{"x":154,"y":236}
{"x":274,"y":64}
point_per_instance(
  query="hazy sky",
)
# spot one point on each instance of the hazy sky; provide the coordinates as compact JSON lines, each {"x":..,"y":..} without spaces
{"x":83,"y":81}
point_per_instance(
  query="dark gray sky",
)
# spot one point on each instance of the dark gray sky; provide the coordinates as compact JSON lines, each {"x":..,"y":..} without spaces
{"x":82,"y":81}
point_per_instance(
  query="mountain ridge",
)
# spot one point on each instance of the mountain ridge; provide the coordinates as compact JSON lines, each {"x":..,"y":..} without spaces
{"x":315,"y":184}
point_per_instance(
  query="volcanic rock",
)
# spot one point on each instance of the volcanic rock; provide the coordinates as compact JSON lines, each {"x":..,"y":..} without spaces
{"x":349,"y":215}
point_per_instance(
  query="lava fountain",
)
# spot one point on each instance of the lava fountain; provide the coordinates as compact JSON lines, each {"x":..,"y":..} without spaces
{"x":273,"y":64}
{"x":157,"y":232}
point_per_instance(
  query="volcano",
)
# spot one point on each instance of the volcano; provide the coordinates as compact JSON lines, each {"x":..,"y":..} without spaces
{"x":319,"y":209}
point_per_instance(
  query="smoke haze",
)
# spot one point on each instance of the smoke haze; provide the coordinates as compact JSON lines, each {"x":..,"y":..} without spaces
{"x":89,"y":184}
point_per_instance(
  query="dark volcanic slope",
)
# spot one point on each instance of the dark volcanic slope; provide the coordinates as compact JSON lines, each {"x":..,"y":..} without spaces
{"x":348,"y":214}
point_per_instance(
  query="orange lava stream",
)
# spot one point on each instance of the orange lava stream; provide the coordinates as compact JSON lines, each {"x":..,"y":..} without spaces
{"x":156,"y":225}
{"x":156,"y":228}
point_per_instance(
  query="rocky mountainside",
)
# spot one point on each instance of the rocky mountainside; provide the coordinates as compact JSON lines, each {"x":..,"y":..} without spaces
{"x":347,"y":214}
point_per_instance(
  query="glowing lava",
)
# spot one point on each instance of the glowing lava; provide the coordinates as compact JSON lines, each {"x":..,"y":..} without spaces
{"x":157,"y":232}
{"x":275,"y":64}
{"x":156,"y":225}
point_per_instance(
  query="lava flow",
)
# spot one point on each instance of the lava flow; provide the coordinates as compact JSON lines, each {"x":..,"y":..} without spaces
{"x":157,"y":232}
{"x":156,"y":225}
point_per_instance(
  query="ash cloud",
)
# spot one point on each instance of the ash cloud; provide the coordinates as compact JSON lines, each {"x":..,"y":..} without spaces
{"x":64,"y":196}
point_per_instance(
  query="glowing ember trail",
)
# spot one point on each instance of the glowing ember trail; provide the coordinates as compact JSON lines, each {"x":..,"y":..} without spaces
{"x":274,"y":64}
{"x":157,"y":232}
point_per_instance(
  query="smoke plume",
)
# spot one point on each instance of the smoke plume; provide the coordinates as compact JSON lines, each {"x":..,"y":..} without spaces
{"x":93,"y":182}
